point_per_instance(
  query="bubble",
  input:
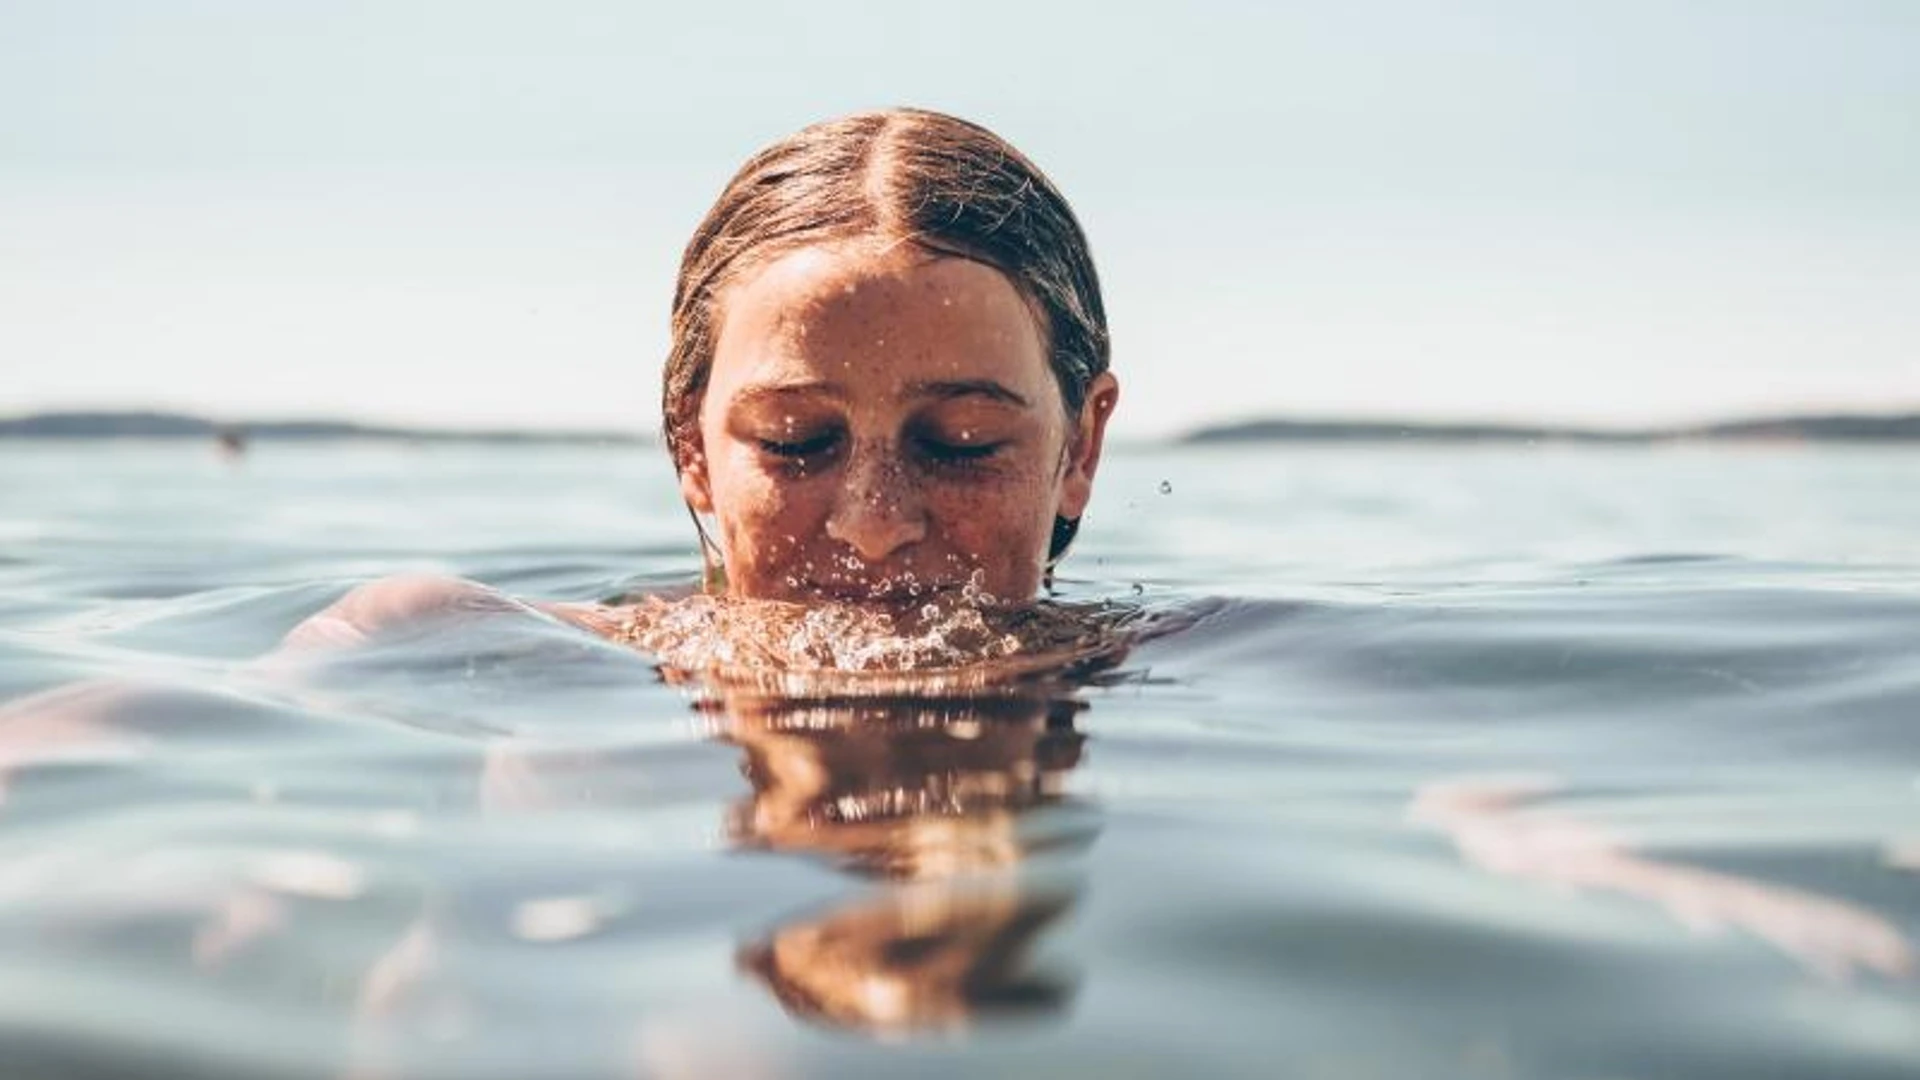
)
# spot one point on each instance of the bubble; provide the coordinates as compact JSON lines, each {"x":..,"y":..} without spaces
{"x":1166,"y":487}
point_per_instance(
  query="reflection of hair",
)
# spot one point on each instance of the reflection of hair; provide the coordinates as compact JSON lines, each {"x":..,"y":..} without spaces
{"x":904,"y":788}
{"x":940,"y":183}
{"x":845,"y":953}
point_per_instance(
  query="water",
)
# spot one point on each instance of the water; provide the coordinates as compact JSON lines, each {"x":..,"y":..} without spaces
{"x":1471,"y":763}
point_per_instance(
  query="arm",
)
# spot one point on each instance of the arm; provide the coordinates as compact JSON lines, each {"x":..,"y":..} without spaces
{"x":1491,"y":827}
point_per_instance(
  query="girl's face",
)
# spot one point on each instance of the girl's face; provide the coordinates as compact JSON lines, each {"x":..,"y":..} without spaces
{"x":881,"y":425}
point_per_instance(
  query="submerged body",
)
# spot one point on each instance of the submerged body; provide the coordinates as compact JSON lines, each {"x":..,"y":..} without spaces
{"x":958,"y":636}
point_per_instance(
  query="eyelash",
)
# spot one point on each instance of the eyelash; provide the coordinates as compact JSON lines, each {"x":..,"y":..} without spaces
{"x":942,"y":454}
{"x":958,"y":455}
{"x":805,"y":448}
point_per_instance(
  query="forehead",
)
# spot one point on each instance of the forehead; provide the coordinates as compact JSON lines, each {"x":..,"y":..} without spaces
{"x":874,"y":320}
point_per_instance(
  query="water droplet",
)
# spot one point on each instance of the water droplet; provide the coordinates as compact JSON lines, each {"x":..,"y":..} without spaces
{"x":1166,"y":487}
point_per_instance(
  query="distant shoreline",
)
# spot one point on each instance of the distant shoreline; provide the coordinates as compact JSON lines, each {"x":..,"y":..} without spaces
{"x":1824,"y":428}
{"x":162,"y":425}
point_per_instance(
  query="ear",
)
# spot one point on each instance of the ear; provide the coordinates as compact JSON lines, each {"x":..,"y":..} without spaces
{"x":695,"y":486}
{"x":1083,"y":449}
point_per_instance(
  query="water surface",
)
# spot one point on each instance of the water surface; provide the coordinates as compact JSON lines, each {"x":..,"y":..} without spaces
{"x":1466,"y":762}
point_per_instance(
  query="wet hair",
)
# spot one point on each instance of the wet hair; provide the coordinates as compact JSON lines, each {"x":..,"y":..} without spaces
{"x":908,"y":176}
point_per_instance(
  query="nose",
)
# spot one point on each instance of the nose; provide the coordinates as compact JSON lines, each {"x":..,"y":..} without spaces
{"x":878,"y":511}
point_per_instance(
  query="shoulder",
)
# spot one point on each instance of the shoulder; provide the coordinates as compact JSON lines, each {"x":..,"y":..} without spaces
{"x":606,"y":620}
{"x":407,"y":603}
{"x":390,"y":604}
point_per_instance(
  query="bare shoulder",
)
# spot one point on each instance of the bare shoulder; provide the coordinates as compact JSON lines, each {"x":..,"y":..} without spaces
{"x":604,"y":620}
{"x":409,"y":603}
{"x":394,"y":604}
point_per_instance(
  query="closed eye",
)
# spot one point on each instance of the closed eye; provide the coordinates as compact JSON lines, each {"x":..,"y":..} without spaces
{"x":947,"y":452}
{"x":804,"y":448}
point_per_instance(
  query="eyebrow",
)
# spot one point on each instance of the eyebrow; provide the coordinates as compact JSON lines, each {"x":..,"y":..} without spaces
{"x":959,"y":388}
{"x":939,"y":389}
{"x":770,"y":391}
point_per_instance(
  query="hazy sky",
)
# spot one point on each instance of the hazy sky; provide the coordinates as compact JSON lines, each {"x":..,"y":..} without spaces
{"x":469,"y":212}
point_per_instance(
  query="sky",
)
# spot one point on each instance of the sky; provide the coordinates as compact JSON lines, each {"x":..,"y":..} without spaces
{"x":469,"y":213}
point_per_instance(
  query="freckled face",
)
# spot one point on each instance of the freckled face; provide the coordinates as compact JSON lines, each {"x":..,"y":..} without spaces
{"x":880,"y":425}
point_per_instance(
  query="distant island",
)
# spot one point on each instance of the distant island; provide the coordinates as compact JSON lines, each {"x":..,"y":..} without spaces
{"x":159,"y":425}
{"x":1890,"y":428}
{"x":1902,"y":427}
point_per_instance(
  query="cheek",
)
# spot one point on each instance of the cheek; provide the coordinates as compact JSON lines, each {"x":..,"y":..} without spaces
{"x":763,"y":515}
{"x":1003,"y":524}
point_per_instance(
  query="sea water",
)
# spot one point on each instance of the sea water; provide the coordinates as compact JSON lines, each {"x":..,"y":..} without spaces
{"x":1442,"y":762}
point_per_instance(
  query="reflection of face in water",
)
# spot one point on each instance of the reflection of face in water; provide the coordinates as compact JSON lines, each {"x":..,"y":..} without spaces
{"x":959,"y":806}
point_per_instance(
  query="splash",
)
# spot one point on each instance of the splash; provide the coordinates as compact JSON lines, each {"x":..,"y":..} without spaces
{"x":965,"y":640}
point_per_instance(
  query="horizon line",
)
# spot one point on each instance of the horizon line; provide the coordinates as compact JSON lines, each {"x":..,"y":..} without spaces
{"x":169,"y":424}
